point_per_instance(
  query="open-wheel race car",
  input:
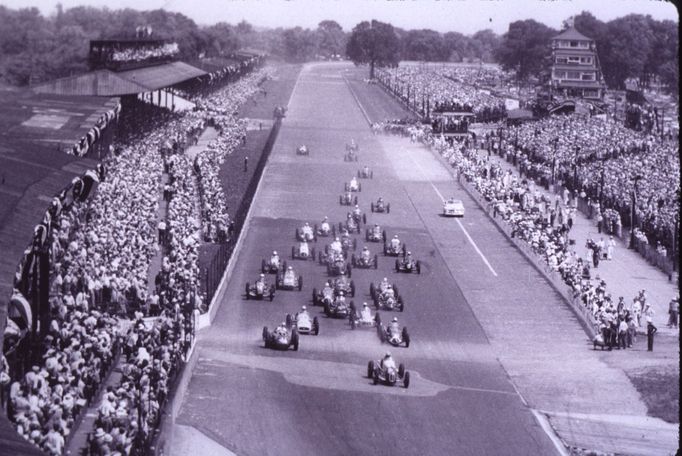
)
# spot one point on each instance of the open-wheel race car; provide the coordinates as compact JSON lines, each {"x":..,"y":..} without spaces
{"x":273,"y":265}
{"x":325,"y":229}
{"x":281,"y":338}
{"x":363,"y":317}
{"x":306,"y":233}
{"x":302,"y":251}
{"x":324,"y":296}
{"x":259,"y":290}
{"x":339,"y":265}
{"x":289,"y":280}
{"x":389,"y":301}
{"x":302,"y":150}
{"x":347,"y":199}
{"x":352,"y":150}
{"x":365,"y":173}
{"x":381,"y":287}
{"x":357,"y":215}
{"x":408,"y":264}
{"x":384,"y":371}
{"x":453,"y":208}
{"x":375,"y":234}
{"x":353,"y":185}
{"x":302,"y":323}
{"x":365,"y":260}
{"x":350,"y":226}
{"x":381,"y":206}
{"x":394,"y":247}
{"x":393,"y":334}
{"x":338,"y":308}
{"x":343,"y":285}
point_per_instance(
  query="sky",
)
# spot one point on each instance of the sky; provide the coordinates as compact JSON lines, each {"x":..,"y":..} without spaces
{"x":464,"y":16}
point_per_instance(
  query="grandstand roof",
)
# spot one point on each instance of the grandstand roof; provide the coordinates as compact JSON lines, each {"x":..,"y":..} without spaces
{"x":214,"y":63}
{"x":130,"y":82}
{"x":571,"y":34}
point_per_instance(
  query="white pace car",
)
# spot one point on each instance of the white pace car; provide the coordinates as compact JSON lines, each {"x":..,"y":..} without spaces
{"x":453,"y":208}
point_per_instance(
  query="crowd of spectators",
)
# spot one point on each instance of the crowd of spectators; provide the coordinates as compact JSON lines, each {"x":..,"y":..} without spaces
{"x":143,"y":53}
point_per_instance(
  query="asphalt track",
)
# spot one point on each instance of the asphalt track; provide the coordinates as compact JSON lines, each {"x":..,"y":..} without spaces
{"x":317,"y":401}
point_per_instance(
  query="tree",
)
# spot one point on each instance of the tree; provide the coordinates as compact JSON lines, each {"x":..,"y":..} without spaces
{"x":299,"y":44}
{"x":374,"y":43}
{"x":526,"y":48}
{"x":426,"y":45}
{"x":331,"y":39}
{"x":627,"y":50}
{"x":486,"y":41}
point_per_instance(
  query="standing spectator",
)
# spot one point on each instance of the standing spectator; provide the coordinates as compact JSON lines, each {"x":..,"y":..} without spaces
{"x":632,"y":332}
{"x":622,"y":334}
{"x":610,"y":247}
{"x":637,"y":311}
{"x":650,"y":331}
{"x":673,"y":311}
{"x":600,"y":222}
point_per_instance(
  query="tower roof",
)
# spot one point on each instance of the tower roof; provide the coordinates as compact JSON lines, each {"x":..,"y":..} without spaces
{"x":571,"y":34}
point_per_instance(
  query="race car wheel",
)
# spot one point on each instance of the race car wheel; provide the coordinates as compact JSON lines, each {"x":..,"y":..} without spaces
{"x":359,"y":186}
{"x":397,"y":266}
{"x":314,"y":296}
{"x":340,"y":226}
{"x":312,"y":254}
{"x":358,"y":230}
{"x":364,"y":220}
{"x":319,"y":257}
{"x":371,"y":174}
{"x":401,"y":370}
{"x":372,"y":290}
{"x":300,"y":283}
{"x":348,"y":270}
{"x":289,"y":321}
{"x":351,"y":319}
{"x":383,"y":236}
{"x":376,"y":261}
{"x":333,"y":231}
{"x":381,"y":333}
{"x":297,"y":234}
{"x":406,"y":338}
{"x":262,"y":267}
{"x":316,"y":326}
{"x":355,"y":201}
{"x":375,"y":378}
{"x":419,"y":267}
{"x":355,"y":241}
{"x":340,"y":199}
{"x":404,"y":249}
{"x":352,"y":288}
{"x":353,"y":261}
{"x":294,"y":340}
{"x":265,"y":335}
{"x":372,"y":207}
{"x":401,"y":304}
{"x":247,"y":290}
{"x":370,"y":369}
{"x":406,"y":380}
{"x":395,"y":290}
{"x":377,"y":318}
{"x":277,"y":279}
{"x":327,"y":310}
{"x":272,"y":292}
{"x":388,"y":208}
{"x":292,"y":252}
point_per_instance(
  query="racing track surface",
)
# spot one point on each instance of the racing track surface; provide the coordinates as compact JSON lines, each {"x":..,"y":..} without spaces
{"x":316,"y":401}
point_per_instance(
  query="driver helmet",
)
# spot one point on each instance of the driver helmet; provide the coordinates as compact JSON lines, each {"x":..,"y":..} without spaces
{"x":380,"y":198}
{"x":340,"y":293}
{"x":395,"y":319}
{"x":274,"y":252}
{"x":356,"y":207}
{"x":409,"y":253}
{"x":306,"y":224}
{"x":328,"y":283}
{"x":290,"y":268}
{"x":387,"y":355}
{"x":385,"y":279}
{"x":303,"y":308}
{"x":336,"y":239}
{"x":262,"y":276}
{"x":283,"y":324}
{"x":364,"y":304}
{"x":376,"y":225}
{"x":389,"y":287}
{"x":325,"y":217}
{"x":395,"y":236}
{"x":365,"y":248}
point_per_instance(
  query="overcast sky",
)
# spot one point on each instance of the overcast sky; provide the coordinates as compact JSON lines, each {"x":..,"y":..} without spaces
{"x":464,"y":16}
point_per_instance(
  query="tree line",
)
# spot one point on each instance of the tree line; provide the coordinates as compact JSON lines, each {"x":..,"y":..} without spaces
{"x":35,"y":48}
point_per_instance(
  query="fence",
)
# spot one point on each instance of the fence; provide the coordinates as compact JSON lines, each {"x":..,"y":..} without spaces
{"x":215,"y":270}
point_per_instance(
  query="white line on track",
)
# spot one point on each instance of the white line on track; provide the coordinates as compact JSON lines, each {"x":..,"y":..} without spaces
{"x":466,"y":233}
{"x":357,"y":100}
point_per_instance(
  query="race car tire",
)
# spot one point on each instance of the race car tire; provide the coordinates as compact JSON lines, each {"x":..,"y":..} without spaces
{"x":419,"y":267}
{"x":340,"y":226}
{"x":265,"y":335}
{"x":294,"y":340}
{"x":355,"y":201}
{"x":340,"y":199}
{"x":248,"y":288}
{"x":353,"y":261}
{"x":372,"y":207}
{"x":312,"y":253}
{"x":370,"y":369}
{"x":292,"y":252}
{"x":401,"y":370}
{"x":345,"y":186}
{"x":358,"y":230}
{"x":327,"y":310}
{"x":348,"y":270}
{"x":406,"y":380}
{"x":277,"y":280}
{"x":395,"y":291}
{"x":381,"y":333}
{"x":289,"y":321}
{"x":314,"y":296}
{"x":359,"y":186}
{"x":401,"y":304}
{"x":404,"y":249}
{"x":372,"y":290}
{"x":388,"y":208}
{"x":355,"y":241}
{"x":397,"y":266}
{"x":375,"y":378}
{"x":326,"y":249}
{"x":333,"y":231}
{"x":316,"y":326}
{"x":352,"y":318}
{"x":376,"y":261}
{"x":272,"y":293}
{"x":383,"y":236}
{"x":329,"y":270}
{"x":352,"y":288}
{"x":364,"y":221}
{"x":406,"y":338}
{"x":377,"y":318}
{"x":300,"y":283}
{"x":298,"y":234}
{"x":262,"y":266}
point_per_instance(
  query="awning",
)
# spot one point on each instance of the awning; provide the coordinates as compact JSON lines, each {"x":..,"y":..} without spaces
{"x":19,"y":307}
{"x":160,"y":76}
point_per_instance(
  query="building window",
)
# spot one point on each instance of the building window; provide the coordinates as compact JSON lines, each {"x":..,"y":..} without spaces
{"x":573,"y":59}
{"x":575,"y":75}
{"x":561,"y":60}
{"x":587,"y":77}
{"x":586,"y":60}
{"x":559,"y":75}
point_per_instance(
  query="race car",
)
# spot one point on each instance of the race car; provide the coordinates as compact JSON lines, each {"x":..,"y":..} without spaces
{"x":383,"y":372}
{"x":394,"y":335}
{"x":351,"y":156}
{"x":302,"y":252}
{"x":375,"y":234}
{"x":453,"y":208}
{"x":302,"y":150}
{"x":393,"y":248}
{"x":352,"y":146}
{"x":353,"y":185}
{"x":364,"y":262}
{"x":385,"y":301}
{"x":338,"y":308}
{"x":357,"y":215}
{"x":306,"y":233}
{"x":260,"y":290}
{"x":325,"y":229}
{"x":343,"y":284}
{"x":365,"y":173}
{"x":339,"y":265}
{"x":289,"y":280}
{"x":281,"y":338}
{"x":381,"y":206}
{"x":408,"y":264}
{"x":303,"y":324}
{"x":363,"y":317}
{"x":350,"y":226}
{"x":325,"y":296}
{"x":347,"y":199}
{"x":273,"y":265}
{"x":380,"y":287}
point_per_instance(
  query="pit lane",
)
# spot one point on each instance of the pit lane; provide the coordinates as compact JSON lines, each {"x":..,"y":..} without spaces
{"x":316,"y":401}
